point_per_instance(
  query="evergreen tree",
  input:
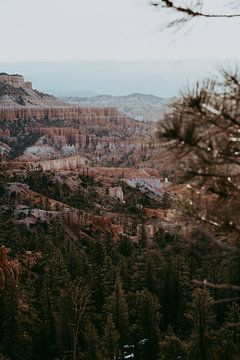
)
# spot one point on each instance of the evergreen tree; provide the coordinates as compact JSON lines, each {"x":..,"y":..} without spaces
{"x":202,"y":317}
{"x":110,"y":339}
{"x":230,"y":333}
{"x":171,"y":347}
{"x":93,"y":346}
{"x":9,"y":324}
{"x":145,"y":331}
{"x":118,"y":307}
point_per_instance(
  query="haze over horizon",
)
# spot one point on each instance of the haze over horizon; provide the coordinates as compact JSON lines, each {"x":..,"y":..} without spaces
{"x":91,"y":47}
{"x":89,"y":78}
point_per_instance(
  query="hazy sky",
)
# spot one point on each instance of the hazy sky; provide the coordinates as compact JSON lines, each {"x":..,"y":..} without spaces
{"x":32,"y":30}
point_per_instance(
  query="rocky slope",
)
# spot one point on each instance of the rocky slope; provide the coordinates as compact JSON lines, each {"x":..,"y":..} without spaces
{"x":16,"y":92}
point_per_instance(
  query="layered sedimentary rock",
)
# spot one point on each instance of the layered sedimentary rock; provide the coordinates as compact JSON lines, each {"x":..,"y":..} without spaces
{"x":69,"y":163}
{"x":96,"y":171}
{"x":81,"y":139}
{"x":106,"y":141}
{"x":15,"y":80}
{"x":97,"y":116}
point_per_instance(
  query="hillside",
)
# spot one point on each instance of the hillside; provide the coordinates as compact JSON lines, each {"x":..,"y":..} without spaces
{"x":136,"y":106}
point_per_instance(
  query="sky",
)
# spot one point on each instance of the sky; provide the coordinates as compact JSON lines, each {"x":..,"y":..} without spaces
{"x":71,"y":30}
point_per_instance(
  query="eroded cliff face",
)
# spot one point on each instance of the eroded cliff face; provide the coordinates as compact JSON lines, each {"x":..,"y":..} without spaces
{"x":82,"y":138}
{"x":101,"y":135}
{"x":68,"y":164}
{"x":76,"y":164}
{"x":96,"y":116}
{"x":15,"y":80}
{"x":110,"y":149}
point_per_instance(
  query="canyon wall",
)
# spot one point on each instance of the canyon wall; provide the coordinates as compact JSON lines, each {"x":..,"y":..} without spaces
{"x":77,"y":163}
{"x":69,"y":163}
{"x":64,"y":136}
{"x":62,"y":113}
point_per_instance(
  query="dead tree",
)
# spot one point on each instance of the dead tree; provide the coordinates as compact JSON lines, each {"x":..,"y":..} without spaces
{"x":80,"y":296}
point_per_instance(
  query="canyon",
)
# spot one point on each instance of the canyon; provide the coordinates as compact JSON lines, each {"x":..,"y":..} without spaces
{"x":88,"y":150}
{"x":103,"y":135}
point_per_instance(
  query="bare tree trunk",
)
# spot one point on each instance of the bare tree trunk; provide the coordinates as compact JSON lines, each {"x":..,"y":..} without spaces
{"x":80,"y":296}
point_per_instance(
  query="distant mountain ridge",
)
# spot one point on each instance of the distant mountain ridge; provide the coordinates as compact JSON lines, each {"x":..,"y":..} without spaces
{"x":86,"y":78}
{"x":137,"y":106}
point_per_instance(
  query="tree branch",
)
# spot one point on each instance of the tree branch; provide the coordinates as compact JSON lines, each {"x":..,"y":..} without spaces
{"x":191,"y":12}
{"x":217,"y":286}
